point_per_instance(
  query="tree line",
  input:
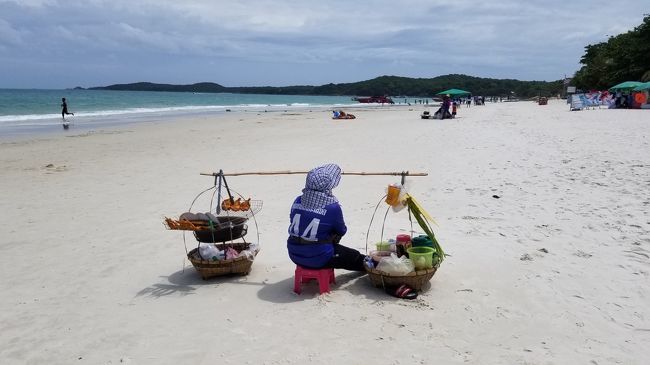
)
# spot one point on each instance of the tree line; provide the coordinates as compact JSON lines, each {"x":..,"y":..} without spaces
{"x":625,"y":57}
{"x":384,"y":85}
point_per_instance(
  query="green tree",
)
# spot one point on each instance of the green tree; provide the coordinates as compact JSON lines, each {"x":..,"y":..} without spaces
{"x":625,"y":57}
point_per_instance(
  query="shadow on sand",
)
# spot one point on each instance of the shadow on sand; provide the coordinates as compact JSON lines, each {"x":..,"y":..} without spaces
{"x":185,"y":282}
{"x":355,"y":283}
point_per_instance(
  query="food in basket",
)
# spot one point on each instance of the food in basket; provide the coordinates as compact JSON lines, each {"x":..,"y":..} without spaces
{"x":245,"y":205}
{"x":236,"y":205}
{"x":196,"y":216}
{"x":226,"y":204}
{"x":187,"y":216}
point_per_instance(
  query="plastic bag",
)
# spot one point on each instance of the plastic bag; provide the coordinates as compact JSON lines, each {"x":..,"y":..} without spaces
{"x":231,"y":253}
{"x":210,"y":252}
{"x":397,"y":203}
{"x":250,"y":252}
{"x":395,"y":265}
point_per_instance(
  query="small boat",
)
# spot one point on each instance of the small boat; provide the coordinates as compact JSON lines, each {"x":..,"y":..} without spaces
{"x":375,"y":99}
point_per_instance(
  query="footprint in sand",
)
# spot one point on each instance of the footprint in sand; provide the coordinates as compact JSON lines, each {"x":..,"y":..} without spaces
{"x":526,"y":257}
{"x":52,"y":168}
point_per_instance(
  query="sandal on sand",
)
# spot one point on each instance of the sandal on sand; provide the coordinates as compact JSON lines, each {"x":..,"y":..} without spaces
{"x":403,"y":292}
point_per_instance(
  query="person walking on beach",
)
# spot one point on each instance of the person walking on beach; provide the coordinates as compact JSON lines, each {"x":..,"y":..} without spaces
{"x":64,"y":108}
{"x":317,"y":225}
{"x":446,"y":104}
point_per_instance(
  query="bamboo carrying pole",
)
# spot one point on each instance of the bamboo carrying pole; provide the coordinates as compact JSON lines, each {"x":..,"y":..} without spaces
{"x":287,"y":172}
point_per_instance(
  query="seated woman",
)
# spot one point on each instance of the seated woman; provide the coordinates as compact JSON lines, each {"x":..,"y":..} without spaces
{"x":317,"y":225}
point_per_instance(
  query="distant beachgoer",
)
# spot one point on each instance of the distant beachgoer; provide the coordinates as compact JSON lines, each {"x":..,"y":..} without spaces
{"x":64,"y":108}
{"x":446,"y":104}
{"x":340,"y":114}
{"x":454,"y":105}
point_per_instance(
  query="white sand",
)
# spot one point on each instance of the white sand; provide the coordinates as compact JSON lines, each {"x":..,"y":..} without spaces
{"x":89,"y":275}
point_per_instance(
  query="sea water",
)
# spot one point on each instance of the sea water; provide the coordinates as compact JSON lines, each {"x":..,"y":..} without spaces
{"x":28,"y":111}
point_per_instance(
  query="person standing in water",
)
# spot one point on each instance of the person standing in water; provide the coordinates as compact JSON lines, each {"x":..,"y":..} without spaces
{"x":64,"y":108}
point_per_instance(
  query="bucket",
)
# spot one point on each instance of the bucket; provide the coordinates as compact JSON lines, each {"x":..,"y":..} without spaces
{"x":422,"y":241}
{"x":422,"y":257}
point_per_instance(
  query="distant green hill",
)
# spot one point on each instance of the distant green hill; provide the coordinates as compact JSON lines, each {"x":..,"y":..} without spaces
{"x":204,"y":87}
{"x":384,"y":85}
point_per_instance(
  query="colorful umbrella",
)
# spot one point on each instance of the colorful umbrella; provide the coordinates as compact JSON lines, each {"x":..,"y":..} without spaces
{"x":627,"y":85}
{"x":454,"y":92}
{"x":644,"y":86}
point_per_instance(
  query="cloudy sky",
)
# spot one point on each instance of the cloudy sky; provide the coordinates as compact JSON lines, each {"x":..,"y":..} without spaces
{"x":67,"y":43}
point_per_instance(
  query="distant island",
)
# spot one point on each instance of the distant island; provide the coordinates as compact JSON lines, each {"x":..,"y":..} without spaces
{"x":384,"y":85}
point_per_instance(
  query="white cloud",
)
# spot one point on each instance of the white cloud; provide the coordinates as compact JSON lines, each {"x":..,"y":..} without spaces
{"x":335,"y":39}
{"x":33,"y":3}
{"x":9,"y":35}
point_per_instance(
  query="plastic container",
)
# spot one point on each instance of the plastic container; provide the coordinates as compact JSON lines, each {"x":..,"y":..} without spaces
{"x":422,"y":257}
{"x":383,"y":246}
{"x":391,"y":241}
{"x":422,"y":241}
{"x":402,"y":244}
{"x":392,"y":195}
{"x":378,"y":255}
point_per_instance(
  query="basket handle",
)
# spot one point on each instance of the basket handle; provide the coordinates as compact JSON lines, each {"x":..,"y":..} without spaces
{"x":372,"y":219}
{"x":383,"y":225}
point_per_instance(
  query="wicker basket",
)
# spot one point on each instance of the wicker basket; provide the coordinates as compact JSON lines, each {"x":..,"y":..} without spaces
{"x":415,"y":280}
{"x":209,"y":269}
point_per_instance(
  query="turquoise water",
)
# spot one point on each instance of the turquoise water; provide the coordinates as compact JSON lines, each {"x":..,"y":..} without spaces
{"x":26,"y":111}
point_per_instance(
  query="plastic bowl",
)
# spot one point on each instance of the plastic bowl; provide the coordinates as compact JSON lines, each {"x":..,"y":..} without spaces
{"x":422,"y":257}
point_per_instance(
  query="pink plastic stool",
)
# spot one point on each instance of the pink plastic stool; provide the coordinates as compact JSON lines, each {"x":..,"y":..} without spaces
{"x":324,"y":277}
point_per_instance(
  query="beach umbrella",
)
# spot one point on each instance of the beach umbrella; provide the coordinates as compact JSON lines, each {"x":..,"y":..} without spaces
{"x":626,"y":86}
{"x":454,"y":92}
{"x":642,"y":87}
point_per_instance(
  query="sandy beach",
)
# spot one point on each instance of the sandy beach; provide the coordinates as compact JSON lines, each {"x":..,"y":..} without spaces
{"x":544,"y":214}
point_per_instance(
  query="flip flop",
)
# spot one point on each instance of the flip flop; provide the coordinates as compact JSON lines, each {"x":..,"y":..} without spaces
{"x":403,"y":292}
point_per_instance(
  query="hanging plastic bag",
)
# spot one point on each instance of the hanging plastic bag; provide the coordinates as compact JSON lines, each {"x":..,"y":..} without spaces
{"x":396,"y":265}
{"x":392,"y":194}
{"x":396,"y":195}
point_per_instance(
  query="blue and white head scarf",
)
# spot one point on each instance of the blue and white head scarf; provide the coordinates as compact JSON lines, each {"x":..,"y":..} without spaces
{"x":318,"y":187}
